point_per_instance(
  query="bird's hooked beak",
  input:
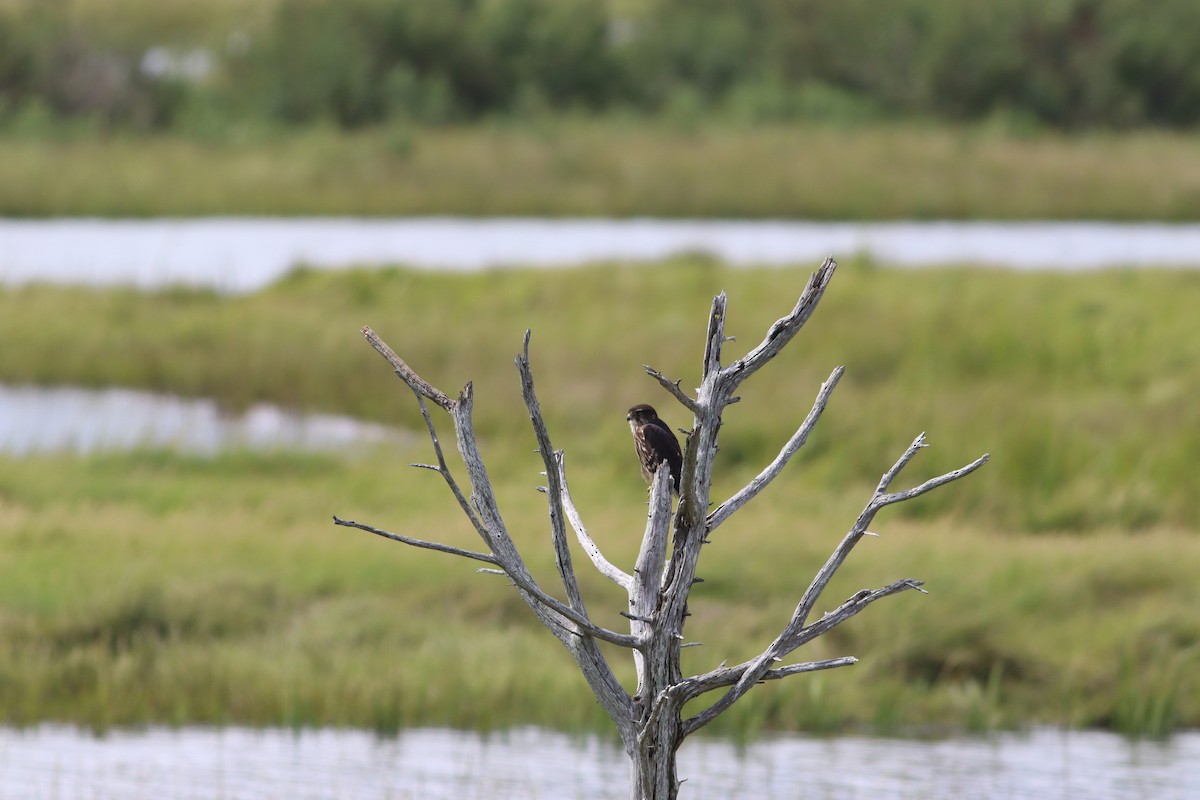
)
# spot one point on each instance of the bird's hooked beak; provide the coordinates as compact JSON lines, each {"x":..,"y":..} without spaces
{"x":629,"y":417}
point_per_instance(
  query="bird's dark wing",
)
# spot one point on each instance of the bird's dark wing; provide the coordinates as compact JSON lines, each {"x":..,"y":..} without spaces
{"x":665,"y":447}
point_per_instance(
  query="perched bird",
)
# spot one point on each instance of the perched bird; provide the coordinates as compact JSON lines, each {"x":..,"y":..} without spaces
{"x":655,"y":443}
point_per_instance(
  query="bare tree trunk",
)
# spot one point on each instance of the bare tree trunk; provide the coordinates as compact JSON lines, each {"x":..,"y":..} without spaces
{"x":650,"y":720}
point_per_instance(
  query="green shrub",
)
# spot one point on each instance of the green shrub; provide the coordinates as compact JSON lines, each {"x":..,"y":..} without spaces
{"x":1072,"y":64}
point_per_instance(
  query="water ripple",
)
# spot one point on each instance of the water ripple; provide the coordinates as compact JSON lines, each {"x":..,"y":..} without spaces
{"x":61,"y":763}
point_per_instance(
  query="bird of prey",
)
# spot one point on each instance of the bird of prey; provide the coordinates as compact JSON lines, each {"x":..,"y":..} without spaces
{"x":655,"y":443}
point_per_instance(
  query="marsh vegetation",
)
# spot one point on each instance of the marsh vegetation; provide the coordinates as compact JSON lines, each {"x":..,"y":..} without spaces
{"x":162,"y":586}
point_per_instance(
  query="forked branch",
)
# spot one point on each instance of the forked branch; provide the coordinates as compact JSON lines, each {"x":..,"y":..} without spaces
{"x":880,"y":499}
{"x":396,"y":537}
{"x":602,"y":564}
{"x":783,"y":330}
{"x":796,"y":633}
{"x":747,"y":493}
{"x":672,"y":387}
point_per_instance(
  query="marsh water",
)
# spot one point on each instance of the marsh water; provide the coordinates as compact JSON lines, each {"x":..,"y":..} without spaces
{"x":62,"y":763}
{"x":36,"y":419}
{"x":244,"y":254}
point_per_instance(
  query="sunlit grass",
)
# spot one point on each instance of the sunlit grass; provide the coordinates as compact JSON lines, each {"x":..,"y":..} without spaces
{"x":1081,"y":386}
{"x":606,"y":167}
{"x":159,"y":587}
{"x":238,"y":601}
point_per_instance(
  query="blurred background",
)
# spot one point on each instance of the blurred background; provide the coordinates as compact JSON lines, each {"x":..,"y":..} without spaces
{"x":200,"y":69}
{"x":201,"y":204}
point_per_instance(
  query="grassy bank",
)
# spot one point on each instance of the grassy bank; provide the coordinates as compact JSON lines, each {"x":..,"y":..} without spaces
{"x":608,"y":168}
{"x":140,"y":589}
{"x":153,"y":586}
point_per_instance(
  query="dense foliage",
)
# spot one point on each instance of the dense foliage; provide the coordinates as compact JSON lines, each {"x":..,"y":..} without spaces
{"x":1071,"y":63}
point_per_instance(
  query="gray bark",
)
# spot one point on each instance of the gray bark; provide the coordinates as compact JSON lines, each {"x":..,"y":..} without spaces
{"x":650,"y":719}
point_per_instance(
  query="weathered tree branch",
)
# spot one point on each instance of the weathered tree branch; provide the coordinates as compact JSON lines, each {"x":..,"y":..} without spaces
{"x":877,"y":501}
{"x":648,"y":575}
{"x":418,"y":384}
{"x":523,"y":582}
{"x":932,"y":483}
{"x":396,"y":537}
{"x":648,"y":569}
{"x":714,"y":338}
{"x":726,"y":509}
{"x":795,"y":633}
{"x":602,"y":564}
{"x":727,"y":676}
{"x":672,"y":387}
{"x":785,"y":328}
{"x":754,"y":671}
{"x":568,"y":623}
{"x":441,"y":468}
{"x":554,"y":479}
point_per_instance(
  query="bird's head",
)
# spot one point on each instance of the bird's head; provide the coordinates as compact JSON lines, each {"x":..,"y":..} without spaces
{"x":642,"y":414}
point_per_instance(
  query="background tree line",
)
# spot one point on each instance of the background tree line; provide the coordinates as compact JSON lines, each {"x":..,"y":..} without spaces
{"x":141,"y":64}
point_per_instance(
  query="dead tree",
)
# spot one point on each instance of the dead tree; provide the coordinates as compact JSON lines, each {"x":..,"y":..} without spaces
{"x":650,"y":719}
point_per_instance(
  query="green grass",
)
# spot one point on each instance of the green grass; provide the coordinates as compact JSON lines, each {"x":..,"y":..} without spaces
{"x":159,"y":587}
{"x":604,"y":167}
{"x":1082,"y":386}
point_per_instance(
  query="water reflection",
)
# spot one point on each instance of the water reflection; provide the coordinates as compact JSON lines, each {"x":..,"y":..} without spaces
{"x":45,"y":420}
{"x":244,"y":254}
{"x":52,"y":762}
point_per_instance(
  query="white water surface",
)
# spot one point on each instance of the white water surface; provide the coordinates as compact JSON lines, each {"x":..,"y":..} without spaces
{"x":36,"y":419}
{"x":244,"y":254}
{"x":61,"y":763}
